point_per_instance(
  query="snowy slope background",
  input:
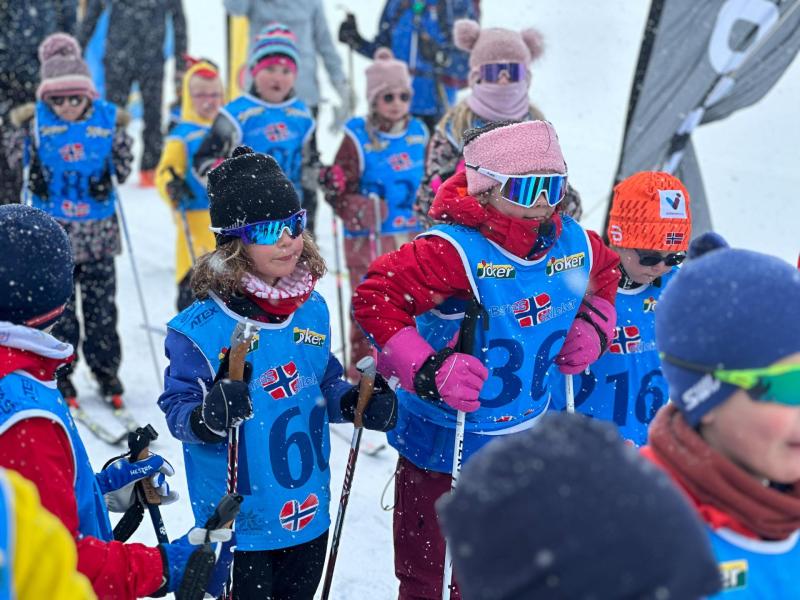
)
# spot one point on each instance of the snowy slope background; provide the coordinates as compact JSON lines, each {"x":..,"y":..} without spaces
{"x":582,"y":83}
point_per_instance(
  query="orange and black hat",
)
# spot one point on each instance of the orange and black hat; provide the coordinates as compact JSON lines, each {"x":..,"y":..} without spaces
{"x":650,"y":211}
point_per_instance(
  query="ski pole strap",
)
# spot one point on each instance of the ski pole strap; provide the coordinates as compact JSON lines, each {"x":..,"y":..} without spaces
{"x":425,"y":379}
{"x":129,"y":522}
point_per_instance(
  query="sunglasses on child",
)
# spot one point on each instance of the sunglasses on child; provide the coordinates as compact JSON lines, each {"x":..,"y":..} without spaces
{"x":776,"y":383}
{"x":60,"y":100}
{"x":267,"y":233}
{"x":491,"y":73}
{"x":651,"y":259}
{"x":403,"y":96}
{"x":526,"y":189}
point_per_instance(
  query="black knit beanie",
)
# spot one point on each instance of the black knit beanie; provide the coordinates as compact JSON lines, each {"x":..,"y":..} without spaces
{"x":35,"y":266}
{"x":568,"y":510}
{"x":247,"y":188}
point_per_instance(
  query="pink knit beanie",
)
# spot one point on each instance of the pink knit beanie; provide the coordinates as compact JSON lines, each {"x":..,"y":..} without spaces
{"x":386,"y":73}
{"x":496,"y":45}
{"x":62,"y":70}
{"x":515,"y":149}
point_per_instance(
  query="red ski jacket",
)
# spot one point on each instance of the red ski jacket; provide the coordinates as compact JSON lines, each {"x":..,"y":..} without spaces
{"x":422,"y":274}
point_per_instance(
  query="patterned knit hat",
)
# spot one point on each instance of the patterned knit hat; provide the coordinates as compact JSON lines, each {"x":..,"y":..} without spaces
{"x":386,"y":73}
{"x":62,"y":70}
{"x":275,"y":44}
{"x":496,"y":45}
{"x":650,"y":211}
{"x":513,"y":149}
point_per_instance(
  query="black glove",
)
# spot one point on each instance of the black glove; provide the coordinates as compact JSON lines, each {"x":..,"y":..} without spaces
{"x":39,"y":178}
{"x":100,"y":186}
{"x":225,"y":406}
{"x":381,"y":412}
{"x":348,"y":32}
{"x":178,"y":189}
{"x":433,"y":52}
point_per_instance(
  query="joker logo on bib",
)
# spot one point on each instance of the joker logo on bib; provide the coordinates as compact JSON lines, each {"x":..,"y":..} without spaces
{"x":626,"y":340}
{"x":650,"y":304}
{"x":565,"y":263}
{"x":532,"y":311}
{"x":281,"y":382}
{"x":295,"y":516}
{"x":672,"y":204}
{"x":491,"y":270}
{"x":307,"y":336}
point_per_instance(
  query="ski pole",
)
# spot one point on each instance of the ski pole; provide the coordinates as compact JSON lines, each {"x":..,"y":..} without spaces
{"x":136,"y":280}
{"x":376,"y":206}
{"x":240,"y":344}
{"x":186,"y":231}
{"x":138,"y":444}
{"x":569,"y":393}
{"x":365,"y":387}
{"x":466,"y":345}
{"x":26,"y":199}
{"x":337,"y":257}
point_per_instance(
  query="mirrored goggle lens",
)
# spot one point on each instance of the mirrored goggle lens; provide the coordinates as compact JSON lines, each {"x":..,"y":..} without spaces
{"x":490,"y":73}
{"x":775,"y":384}
{"x":525,"y":190}
{"x":268,"y":233}
{"x":652,"y":259}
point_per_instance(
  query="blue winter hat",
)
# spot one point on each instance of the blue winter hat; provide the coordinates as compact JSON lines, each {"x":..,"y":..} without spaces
{"x":35,"y":266}
{"x":726,"y":309}
{"x":568,"y":510}
{"x":276,"y":39}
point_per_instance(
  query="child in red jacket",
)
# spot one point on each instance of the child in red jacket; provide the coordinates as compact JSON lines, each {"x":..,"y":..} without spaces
{"x":544,"y":290}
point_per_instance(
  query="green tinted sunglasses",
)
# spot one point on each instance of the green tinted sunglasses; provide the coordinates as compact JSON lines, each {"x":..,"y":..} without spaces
{"x":777,"y":383}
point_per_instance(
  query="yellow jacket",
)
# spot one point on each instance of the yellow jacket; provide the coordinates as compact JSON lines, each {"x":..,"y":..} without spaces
{"x":174,"y":155}
{"x":38,"y":551}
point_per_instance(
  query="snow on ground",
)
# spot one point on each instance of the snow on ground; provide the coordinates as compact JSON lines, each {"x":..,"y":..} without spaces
{"x":582,"y":85}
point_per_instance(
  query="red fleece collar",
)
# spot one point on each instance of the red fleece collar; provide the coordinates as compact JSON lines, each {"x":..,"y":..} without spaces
{"x":453,"y":204}
{"x":41,"y":367}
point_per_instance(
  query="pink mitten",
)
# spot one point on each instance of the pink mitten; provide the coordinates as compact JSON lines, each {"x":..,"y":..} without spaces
{"x":587,"y":340}
{"x":459,"y":381}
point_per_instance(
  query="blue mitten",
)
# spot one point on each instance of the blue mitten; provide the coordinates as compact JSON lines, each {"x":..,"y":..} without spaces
{"x":174,"y":557}
{"x":118,"y":478}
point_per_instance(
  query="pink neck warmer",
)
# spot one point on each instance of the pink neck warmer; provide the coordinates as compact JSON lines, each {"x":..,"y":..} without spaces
{"x":500,"y":102}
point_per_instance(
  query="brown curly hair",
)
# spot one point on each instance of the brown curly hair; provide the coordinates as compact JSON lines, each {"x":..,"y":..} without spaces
{"x":222,"y":270}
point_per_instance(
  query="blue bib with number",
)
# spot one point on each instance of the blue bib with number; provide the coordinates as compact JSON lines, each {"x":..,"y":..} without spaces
{"x":72,"y":156}
{"x":391,"y":166}
{"x":23,"y":397}
{"x":625,"y":385}
{"x":284,"y":448}
{"x":280,"y":130}
{"x":191,"y":135}
{"x":756,"y":569}
{"x":530,"y":307}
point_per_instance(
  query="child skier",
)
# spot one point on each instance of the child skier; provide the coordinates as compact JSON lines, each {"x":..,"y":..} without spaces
{"x":649,"y":229}
{"x":77,"y":144}
{"x":729,"y":335}
{"x":375,"y":176}
{"x":38,"y":437}
{"x":262,"y":273}
{"x":201,"y":97}
{"x":270,"y":118}
{"x":502,"y":231}
{"x":500,"y":80}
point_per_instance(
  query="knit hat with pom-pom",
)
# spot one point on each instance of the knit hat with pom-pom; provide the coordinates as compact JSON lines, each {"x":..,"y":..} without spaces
{"x":63,"y":71}
{"x":386,"y":73}
{"x":496,"y":45}
{"x":248,"y":188}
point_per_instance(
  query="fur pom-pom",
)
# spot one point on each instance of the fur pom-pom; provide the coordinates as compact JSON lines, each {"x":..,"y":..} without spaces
{"x":466,"y":33}
{"x":383,"y":53}
{"x":534,"y":41}
{"x":59,"y":44}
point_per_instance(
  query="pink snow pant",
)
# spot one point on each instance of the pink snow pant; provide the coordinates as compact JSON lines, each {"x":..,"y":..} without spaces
{"x":418,"y":543}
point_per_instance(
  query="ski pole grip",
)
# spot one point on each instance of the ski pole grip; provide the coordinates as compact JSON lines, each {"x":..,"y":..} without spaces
{"x":139,"y":446}
{"x":366,"y":367}
{"x":240,"y":344}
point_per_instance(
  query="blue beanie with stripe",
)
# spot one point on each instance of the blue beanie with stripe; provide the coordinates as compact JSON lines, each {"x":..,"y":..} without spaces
{"x":275,"y":39}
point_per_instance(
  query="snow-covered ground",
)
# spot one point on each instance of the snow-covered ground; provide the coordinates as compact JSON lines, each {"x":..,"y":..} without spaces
{"x":582,"y":85}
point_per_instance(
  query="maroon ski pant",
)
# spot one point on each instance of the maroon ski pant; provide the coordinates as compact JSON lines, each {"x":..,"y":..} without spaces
{"x":418,"y":543}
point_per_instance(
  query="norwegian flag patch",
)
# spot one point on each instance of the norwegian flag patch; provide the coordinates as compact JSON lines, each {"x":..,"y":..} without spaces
{"x":296,"y":516}
{"x":281,"y":382}
{"x":532,"y":311}
{"x":626,"y":340}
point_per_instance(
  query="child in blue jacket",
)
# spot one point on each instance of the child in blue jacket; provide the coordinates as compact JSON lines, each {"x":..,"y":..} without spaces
{"x":262,"y":273}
